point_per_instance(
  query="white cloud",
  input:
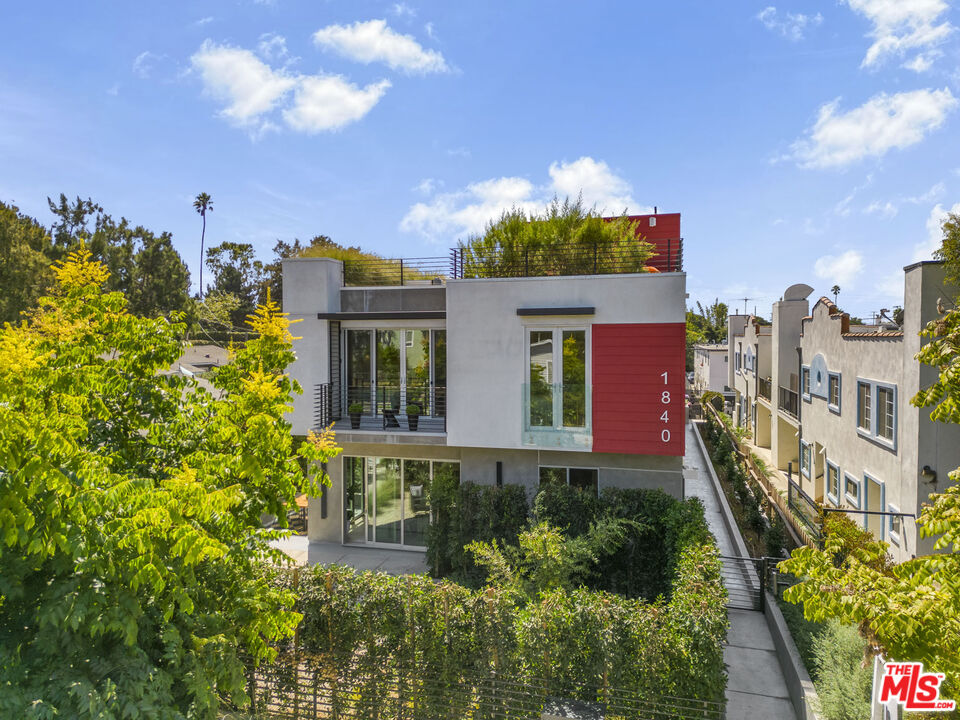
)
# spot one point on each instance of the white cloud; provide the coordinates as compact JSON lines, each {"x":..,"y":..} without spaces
{"x":789,"y":25}
{"x":595,"y":180}
{"x":461,"y":152}
{"x":203,"y":21}
{"x":328,"y":102}
{"x":881,"y":124}
{"x":469,"y":210}
{"x":374,"y":41}
{"x":114,"y":90}
{"x":840,"y":269}
{"x":903,"y":26}
{"x":885,"y":210}
{"x":401,"y":9}
{"x":428,"y":29}
{"x":925,"y":249}
{"x":272,"y":46}
{"x":249,"y":87}
{"x":251,"y":90}
{"x":427,"y":186}
{"x":144,"y":64}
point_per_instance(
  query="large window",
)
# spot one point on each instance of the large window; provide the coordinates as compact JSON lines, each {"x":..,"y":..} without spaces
{"x":877,"y":412}
{"x":806,"y":458}
{"x":583,"y":478}
{"x":388,"y":369}
{"x":557,"y":378}
{"x":387,"y":500}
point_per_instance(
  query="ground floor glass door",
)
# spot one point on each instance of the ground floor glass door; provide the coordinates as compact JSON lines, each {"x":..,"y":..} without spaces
{"x":387,"y":500}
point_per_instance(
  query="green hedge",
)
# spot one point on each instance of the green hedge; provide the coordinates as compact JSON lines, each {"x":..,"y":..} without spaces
{"x":571,"y":643}
{"x":643,"y":567}
{"x":466,"y":512}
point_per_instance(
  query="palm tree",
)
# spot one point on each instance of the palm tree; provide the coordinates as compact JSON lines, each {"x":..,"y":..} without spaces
{"x":202,"y":204}
{"x":836,"y":291}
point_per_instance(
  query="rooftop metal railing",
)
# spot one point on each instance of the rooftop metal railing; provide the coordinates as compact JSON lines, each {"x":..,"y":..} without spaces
{"x":570,"y":259}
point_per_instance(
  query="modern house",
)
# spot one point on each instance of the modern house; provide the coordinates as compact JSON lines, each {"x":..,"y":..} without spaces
{"x":575,"y":379}
{"x":831,"y":402}
{"x":709,"y":368}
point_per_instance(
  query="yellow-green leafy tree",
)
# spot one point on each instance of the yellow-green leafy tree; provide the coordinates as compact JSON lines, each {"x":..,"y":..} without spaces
{"x":130,"y":509}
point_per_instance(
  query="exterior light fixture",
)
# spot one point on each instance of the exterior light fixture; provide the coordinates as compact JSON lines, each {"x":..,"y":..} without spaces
{"x":928,"y":474}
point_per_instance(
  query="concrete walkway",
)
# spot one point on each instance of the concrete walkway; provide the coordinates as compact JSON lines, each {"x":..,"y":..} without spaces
{"x":395,"y":562}
{"x":756,"y":687}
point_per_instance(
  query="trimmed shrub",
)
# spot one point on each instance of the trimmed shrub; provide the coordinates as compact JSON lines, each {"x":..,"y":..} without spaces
{"x":843,"y":682}
{"x":378,"y":623}
{"x":776,"y":537}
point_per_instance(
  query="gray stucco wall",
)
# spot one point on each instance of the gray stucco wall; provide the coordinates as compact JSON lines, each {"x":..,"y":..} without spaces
{"x":310,"y":286}
{"x":486,"y":358}
{"x":479,"y":465}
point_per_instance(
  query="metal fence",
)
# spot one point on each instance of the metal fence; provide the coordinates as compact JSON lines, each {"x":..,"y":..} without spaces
{"x":789,"y":401}
{"x":806,"y":509}
{"x":299,"y":687}
{"x":745,"y":581}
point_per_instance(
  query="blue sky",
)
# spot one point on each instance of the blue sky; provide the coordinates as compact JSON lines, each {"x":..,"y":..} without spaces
{"x":802,"y":142}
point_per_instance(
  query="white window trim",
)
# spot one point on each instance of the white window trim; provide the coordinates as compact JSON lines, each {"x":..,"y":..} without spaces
{"x":853,"y":501}
{"x":872,"y":434}
{"x":834,"y":498}
{"x":805,"y":383}
{"x":894,"y":536}
{"x":835,"y":408}
{"x":804,"y":466}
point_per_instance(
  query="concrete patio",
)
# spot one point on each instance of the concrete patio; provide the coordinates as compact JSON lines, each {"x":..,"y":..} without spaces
{"x":395,"y":562}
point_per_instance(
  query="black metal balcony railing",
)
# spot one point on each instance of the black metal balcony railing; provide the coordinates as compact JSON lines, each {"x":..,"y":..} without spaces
{"x":383,"y":407}
{"x":570,"y":259}
{"x":789,"y":402}
{"x":763,"y":387}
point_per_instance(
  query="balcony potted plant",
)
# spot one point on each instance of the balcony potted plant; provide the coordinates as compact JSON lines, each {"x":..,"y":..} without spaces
{"x":355,"y":410}
{"x":413,"y":417}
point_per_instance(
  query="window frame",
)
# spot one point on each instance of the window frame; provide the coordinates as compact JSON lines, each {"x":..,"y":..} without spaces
{"x":854,"y":502}
{"x":835,"y":408}
{"x":831,"y":496}
{"x":895,"y":536}
{"x":805,"y":462}
{"x":567,"y":469}
{"x":557,"y":331}
{"x":871,"y":433}
{"x":805,"y":383}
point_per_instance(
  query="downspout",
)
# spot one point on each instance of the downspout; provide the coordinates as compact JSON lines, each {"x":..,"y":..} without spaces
{"x":800,"y":414}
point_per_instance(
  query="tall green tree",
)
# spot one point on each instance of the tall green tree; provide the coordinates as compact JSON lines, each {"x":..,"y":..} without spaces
{"x":236,"y":271}
{"x":202,"y":204}
{"x":143,"y":266}
{"x":130,"y":505}
{"x":24,"y":264}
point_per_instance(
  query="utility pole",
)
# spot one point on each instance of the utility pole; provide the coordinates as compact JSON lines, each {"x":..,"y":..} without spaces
{"x":745,"y":304}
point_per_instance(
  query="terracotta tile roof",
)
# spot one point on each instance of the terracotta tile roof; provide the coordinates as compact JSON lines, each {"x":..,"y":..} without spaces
{"x":873,"y":335}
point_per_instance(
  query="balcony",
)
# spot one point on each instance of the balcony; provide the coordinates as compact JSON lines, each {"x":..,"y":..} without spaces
{"x":556,"y":415}
{"x":383,"y":408}
{"x":789,"y":402}
{"x":465,"y":263}
{"x":763,"y":388}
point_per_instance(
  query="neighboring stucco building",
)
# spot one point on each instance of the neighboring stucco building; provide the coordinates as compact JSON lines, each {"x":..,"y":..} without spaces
{"x":841,"y":418}
{"x":709,"y":368}
{"x":525,"y":380}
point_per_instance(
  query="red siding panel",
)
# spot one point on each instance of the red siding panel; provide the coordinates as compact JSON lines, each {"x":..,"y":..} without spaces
{"x":630,"y":394}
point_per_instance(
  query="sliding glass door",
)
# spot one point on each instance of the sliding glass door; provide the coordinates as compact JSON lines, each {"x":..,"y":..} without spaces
{"x":387,"y":500}
{"x":387,"y":370}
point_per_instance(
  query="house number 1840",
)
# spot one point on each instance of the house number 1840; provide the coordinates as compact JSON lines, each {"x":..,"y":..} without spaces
{"x":665,"y":400}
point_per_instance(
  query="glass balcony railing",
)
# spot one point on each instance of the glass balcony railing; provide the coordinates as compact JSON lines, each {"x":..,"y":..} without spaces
{"x":556,"y":415}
